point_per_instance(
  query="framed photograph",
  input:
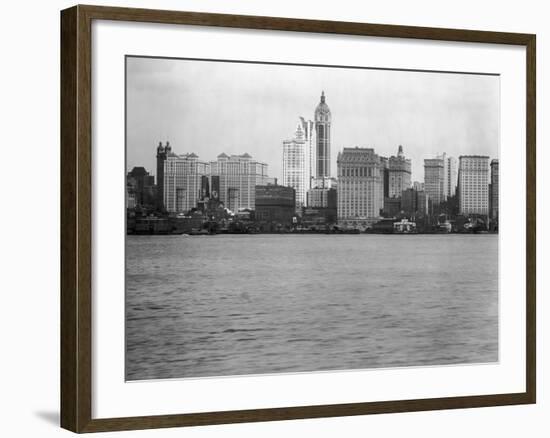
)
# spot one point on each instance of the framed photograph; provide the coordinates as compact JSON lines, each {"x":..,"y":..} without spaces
{"x":271,"y":218}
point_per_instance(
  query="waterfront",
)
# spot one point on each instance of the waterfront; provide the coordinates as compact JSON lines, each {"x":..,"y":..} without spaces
{"x":268,"y":303}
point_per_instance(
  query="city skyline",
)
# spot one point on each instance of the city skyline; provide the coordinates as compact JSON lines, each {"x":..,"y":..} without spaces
{"x":446,"y":106}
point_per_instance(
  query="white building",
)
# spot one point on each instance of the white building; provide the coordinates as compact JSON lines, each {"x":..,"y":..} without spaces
{"x":358,"y":191}
{"x":182,"y":181}
{"x":451,"y":179}
{"x":319,"y":196}
{"x":309,"y":133}
{"x":239,"y":175}
{"x":295,"y":165}
{"x":473,"y":184}
{"x":434,"y":179}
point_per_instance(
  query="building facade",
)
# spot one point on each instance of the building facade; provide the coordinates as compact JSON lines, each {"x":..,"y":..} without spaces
{"x":143,"y":186}
{"x":359,"y":185}
{"x":399,"y":174}
{"x":182,"y":177}
{"x":238,"y":177}
{"x":323,"y":120}
{"x":434,"y":179}
{"x":473,"y":185}
{"x":308,"y":126}
{"x":323,"y":194}
{"x":295,"y":165}
{"x":494,"y":198}
{"x":162,"y":153}
{"x":275,"y":205}
{"x":414,"y":202}
{"x":451,"y":179}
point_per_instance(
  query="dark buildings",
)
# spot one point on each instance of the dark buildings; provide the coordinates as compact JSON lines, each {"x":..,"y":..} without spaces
{"x":414,"y":203}
{"x":493,"y":192}
{"x":142,"y":186}
{"x":162,"y":153}
{"x":275,"y":206}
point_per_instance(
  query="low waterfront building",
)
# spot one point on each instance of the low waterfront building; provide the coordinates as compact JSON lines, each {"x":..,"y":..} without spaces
{"x":473,"y":185}
{"x":359,"y":186}
{"x":238,"y":176}
{"x":275,"y":206}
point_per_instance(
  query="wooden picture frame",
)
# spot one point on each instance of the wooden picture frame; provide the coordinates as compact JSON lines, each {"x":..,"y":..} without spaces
{"x":76,"y":218}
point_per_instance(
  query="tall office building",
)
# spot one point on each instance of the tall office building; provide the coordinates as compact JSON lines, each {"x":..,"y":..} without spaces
{"x":308,"y":127}
{"x":359,"y":185}
{"x":473,"y":184}
{"x":179,"y":179}
{"x":451,"y":176}
{"x":323,"y":121}
{"x":385,"y":178}
{"x":295,"y":164}
{"x":162,"y":153}
{"x":434,"y":179}
{"x":399,"y":174}
{"x":493,"y":195}
{"x":238,"y":177}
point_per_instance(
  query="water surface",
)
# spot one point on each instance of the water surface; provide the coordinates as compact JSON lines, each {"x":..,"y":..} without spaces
{"x":253,"y":304}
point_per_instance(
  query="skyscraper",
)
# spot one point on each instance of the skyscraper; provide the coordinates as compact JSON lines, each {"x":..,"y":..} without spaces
{"x":434,"y":179}
{"x":181,"y":179}
{"x":359,"y":181}
{"x":295,"y":165}
{"x":323,"y":121}
{"x":473,"y":184}
{"x":399,"y":174}
{"x":238,"y":177}
{"x":309,"y":133}
{"x":494,"y":190}
{"x":451,"y":179}
{"x":162,"y":152}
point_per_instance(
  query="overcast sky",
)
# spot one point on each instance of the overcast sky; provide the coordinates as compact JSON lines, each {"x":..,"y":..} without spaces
{"x":211,"y":107}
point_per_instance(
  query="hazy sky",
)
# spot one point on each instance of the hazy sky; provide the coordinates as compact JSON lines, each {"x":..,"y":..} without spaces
{"x":212,"y":107}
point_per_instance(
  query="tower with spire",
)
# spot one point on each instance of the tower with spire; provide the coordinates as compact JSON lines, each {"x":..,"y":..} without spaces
{"x":323,"y":120}
{"x":399,"y":174}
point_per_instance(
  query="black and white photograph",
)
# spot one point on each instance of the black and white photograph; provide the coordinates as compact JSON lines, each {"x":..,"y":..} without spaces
{"x":290,"y":218}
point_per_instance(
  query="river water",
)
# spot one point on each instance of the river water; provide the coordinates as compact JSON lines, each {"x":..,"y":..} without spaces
{"x":253,"y":304}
